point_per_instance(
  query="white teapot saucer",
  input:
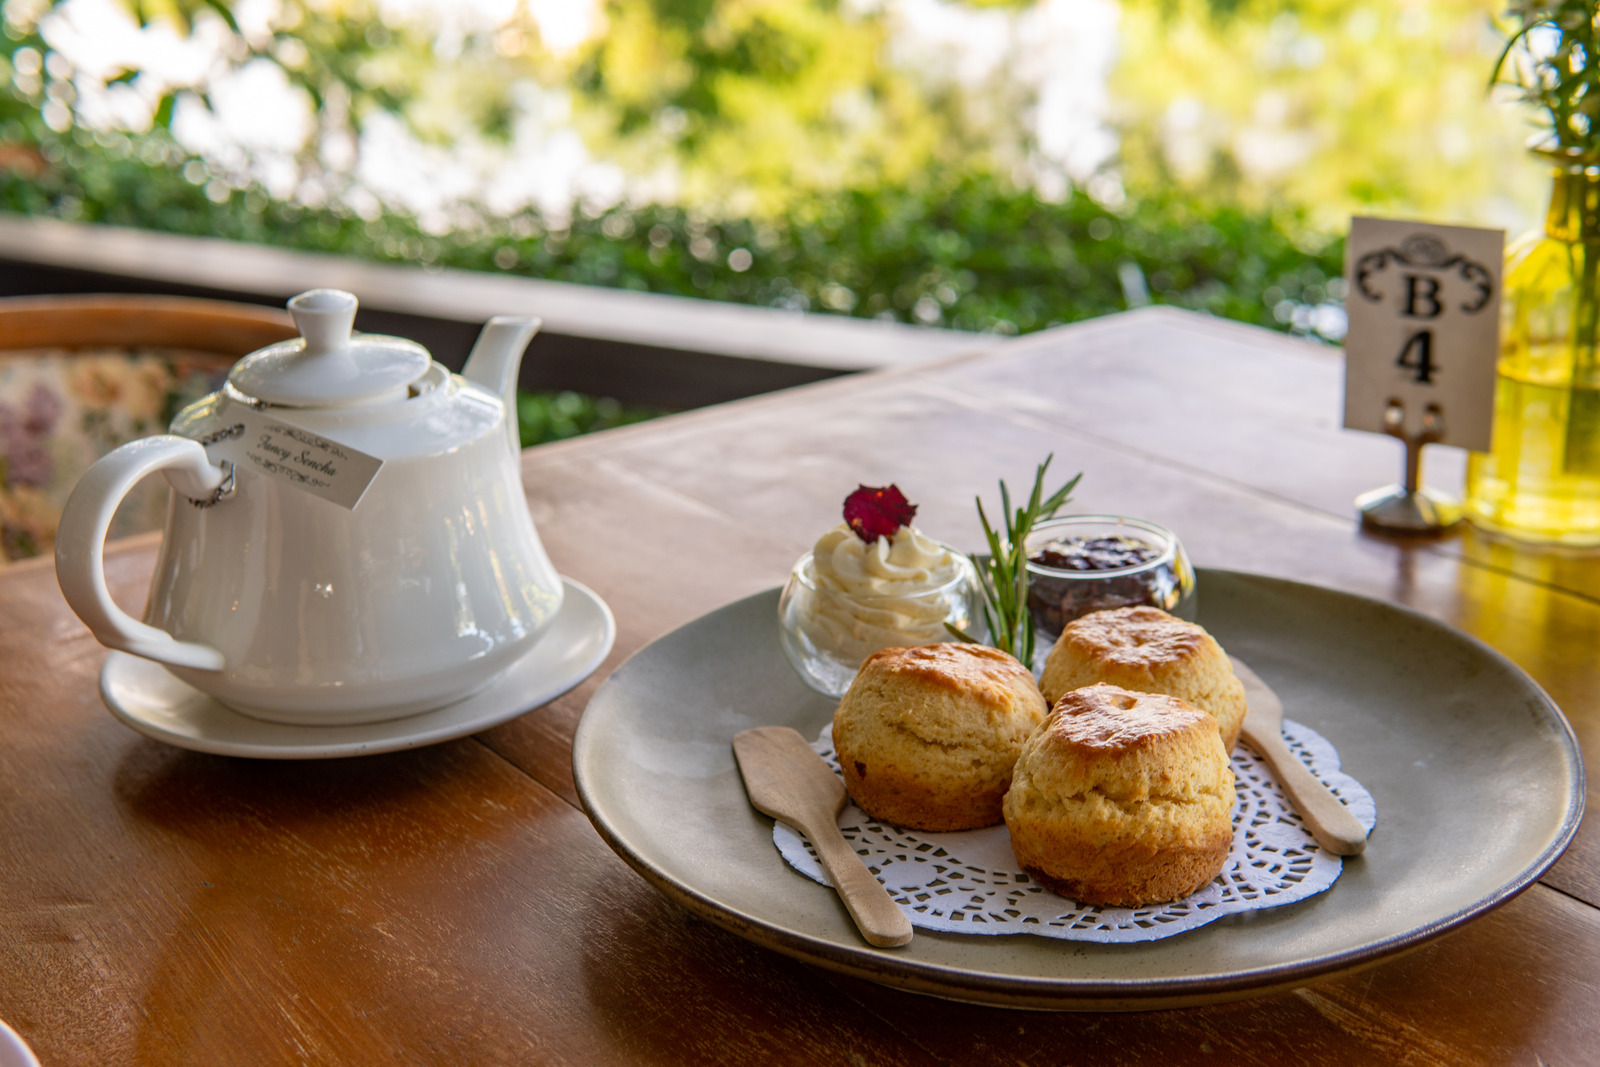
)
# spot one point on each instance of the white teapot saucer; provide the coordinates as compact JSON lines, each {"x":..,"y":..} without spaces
{"x":14,"y":1052}
{"x":152,"y":701}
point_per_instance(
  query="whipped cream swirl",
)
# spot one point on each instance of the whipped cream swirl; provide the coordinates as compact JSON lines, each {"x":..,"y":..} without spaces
{"x":896,"y":591}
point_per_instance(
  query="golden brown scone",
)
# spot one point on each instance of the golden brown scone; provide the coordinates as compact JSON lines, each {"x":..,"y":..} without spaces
{"x":926,"y":736}
{"x":1148,"y":651}
{"x":1122,"y":798}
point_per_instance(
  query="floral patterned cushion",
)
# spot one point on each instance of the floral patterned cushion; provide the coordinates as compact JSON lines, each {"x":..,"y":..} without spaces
{"x":61,"y":410}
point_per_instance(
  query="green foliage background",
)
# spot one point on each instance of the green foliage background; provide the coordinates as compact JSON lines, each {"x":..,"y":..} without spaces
{"x":812,"y":173}
{"x":970,"y":251}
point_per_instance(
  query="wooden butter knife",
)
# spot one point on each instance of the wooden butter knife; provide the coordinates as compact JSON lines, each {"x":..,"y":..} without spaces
{"x":787,"y":780}
{"x":1325,"y":815}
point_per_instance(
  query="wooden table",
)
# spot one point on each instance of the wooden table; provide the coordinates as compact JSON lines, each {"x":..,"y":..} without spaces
{"x":453,"y":905}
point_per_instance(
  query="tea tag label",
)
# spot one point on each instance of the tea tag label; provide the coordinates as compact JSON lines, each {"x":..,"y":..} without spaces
{"x":267,"y":443}
{"x":1424,"y":308}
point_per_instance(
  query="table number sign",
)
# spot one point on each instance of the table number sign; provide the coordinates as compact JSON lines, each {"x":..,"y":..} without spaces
{"x":271,"y":445}
{"x":1424,"y":309}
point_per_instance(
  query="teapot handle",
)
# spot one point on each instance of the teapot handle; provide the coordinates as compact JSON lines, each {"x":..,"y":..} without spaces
{"x":80,"y":543}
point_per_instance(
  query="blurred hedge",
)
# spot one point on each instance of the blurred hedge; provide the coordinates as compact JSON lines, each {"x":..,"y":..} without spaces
{"x":555,"y":416}
{"x":970,"y":251}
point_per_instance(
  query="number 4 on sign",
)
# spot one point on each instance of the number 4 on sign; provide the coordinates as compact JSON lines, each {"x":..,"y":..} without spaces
{"x":1417,"y":357}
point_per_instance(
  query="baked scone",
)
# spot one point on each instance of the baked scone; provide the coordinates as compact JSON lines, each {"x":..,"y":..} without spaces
{"x":1122,"y":799}
{"x":1149,"y":651}
{"x":926,"y":736}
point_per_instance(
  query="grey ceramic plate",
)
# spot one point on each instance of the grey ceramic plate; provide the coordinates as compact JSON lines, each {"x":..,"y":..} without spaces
{"x":1477,"y":777}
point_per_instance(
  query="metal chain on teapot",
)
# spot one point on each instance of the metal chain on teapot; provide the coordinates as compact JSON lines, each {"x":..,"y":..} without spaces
{"x":225,"y":489}
{"x":221,"y":492}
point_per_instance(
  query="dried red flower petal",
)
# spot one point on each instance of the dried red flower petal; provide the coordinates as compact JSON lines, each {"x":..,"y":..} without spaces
{"x":874,"y":513}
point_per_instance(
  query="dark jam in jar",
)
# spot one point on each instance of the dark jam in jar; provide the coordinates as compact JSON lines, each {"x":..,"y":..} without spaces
{"x":1094,"y":553}
{"x":1055,"y":601}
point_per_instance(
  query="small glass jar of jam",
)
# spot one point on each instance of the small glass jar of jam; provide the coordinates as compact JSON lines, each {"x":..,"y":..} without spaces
{"x":1088,"y":563}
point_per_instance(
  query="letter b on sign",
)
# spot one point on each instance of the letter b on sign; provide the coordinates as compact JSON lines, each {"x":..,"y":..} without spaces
{"x":1422,"y":297}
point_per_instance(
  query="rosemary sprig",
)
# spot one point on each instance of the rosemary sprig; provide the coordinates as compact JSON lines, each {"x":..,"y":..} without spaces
{"x":1552,"y":57}
{"x":1003,"y":574}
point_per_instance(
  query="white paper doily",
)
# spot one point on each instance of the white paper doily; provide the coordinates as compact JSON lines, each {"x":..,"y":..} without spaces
{"x":970,"y":883}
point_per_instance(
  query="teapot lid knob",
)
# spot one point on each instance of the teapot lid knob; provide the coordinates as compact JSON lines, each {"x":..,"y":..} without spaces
{"x":324,"y":318}
{"x":328,"y":365}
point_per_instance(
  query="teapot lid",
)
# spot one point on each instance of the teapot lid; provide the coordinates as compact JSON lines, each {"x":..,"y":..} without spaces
{"x":327,"y":365}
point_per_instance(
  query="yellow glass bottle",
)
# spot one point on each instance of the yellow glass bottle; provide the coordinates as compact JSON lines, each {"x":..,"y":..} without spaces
{"x":1541,"y":482}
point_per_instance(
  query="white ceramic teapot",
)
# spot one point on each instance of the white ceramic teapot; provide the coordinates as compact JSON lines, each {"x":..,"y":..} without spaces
{"x":302,"y":608}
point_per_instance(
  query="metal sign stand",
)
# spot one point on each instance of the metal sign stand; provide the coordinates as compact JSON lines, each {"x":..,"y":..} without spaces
{"x":1410,"y":508}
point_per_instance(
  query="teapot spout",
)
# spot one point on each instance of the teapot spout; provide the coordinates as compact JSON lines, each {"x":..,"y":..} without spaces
{"x":496,"y":359}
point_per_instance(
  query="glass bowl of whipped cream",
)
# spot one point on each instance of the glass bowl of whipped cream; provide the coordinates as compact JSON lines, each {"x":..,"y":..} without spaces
{"x":846,"y":599}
